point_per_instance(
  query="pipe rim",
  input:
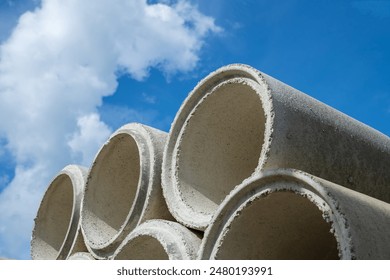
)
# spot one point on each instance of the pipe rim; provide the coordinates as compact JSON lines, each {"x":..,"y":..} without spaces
{"x":174,"y":239}
{"x":81,"y":256}
{"x":76,"y":176}
{"x":253,"y":79}
{"x":257,"y":187}
{"x":146,"y":151}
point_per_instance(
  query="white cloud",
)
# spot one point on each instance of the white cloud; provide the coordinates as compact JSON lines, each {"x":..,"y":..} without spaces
{"x":56,"y":67}
{"x":91,"y":133}
{"x":18,"y":204}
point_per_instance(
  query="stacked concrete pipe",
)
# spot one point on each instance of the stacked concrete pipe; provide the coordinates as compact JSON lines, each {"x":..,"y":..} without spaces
{"x":230,"y":167}
{"x":56,"y":232}
{"x":239,"y":121}
{"x":289,"y":214}
{"x":123,"y":188}
{"x":159,"y":240}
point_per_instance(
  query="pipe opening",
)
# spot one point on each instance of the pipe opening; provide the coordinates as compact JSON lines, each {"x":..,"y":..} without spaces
{"x":143,"y":247}
{"x":220,"y":145}
{"x":53,"y":219}
{"x":282,"y":225}
{"x":112,"y":188}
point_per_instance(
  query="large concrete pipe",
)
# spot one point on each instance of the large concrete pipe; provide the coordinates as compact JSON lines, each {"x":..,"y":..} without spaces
{"x":159,"y":240}
{"x":57,"y":222}
{"x":289,"y":214}
{"x":238,"y":121}
{"x":123,"y":188}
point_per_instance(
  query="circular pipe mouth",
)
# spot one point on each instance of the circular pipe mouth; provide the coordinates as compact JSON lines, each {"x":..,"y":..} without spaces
{"x":159,"y":240}
{"x":57,"y":221}
{"x":283,"y":226}
{"x":111,"y":190}
{"x":220,"y":145}
{"x":219,"y":138}
{"x":277,"y":216}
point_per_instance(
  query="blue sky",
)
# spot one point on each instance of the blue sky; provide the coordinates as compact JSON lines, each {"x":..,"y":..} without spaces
{"x":72,"y":72}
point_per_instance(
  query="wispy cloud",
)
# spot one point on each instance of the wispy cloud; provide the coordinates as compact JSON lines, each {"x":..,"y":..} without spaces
{"x":151,"y":99}
{"x":56,"y":67}
{"x":91,"y":133}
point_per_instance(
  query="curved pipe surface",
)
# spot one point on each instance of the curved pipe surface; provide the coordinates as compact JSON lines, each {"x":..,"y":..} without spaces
{"x":81,"y":256}
{"x":289,"y":214}
{"x":159,"y":240}
{"x":79,"y":243}
{"x":123,"y":188}
{"x":239,"y":121}
{"x":57,"y":221}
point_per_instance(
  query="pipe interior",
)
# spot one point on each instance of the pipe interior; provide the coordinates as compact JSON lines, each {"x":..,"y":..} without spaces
{"x":281,"y":226}
{"x":54,"y":218}
{"x":142,"y":247}
{"x":220,"y":146}
{"x":112,"y":188}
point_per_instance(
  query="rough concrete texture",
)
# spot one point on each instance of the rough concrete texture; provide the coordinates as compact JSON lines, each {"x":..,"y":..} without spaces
{"x":238,"y":121}
{"x":81,"y":256}
{"x":289,"y":214}
{"x":123,"y":188}
{"x":159,"y":240}
{"x":57,"y":221}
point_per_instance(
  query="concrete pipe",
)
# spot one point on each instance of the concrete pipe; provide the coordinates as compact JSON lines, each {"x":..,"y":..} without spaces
{"x":123,"y":188}
{"x":289,"y":214}
{"x":81,"y":256}
{"x":238,"y":121}
{"x":57,"y":222}
{"x":159,"y":240}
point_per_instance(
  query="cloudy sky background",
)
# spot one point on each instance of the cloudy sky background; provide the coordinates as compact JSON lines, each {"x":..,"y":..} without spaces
{"x":72,"y":72}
